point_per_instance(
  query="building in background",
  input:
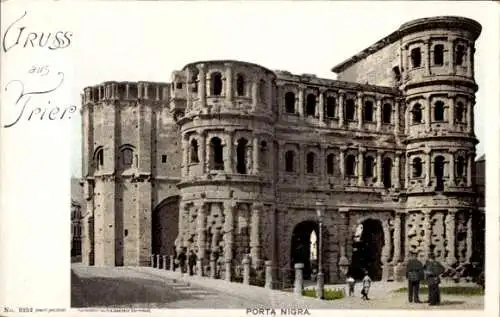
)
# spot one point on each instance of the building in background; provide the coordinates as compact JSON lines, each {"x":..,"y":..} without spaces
{"x":231,"y":156}
{"x":76,"y":220}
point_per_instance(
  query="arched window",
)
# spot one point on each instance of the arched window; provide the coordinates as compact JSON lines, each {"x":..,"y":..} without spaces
{"x":194,"y":151}
{"x":368,"y":166}
{"x":396,"y":73}
{"x":240,"y":85}
{"x":330,"y":163}
{"x":311,"y":105}
{"x":439,"y":172}
{"x":330,"y":107}
{"x":417,"y":167}
{"x":417,"y":114}
{"x":387,"y":172}
{"x":460,"y":166}
{"x":459,"y":55}
{"x":127,"y":157}
{"x":386,"y":113}
{"x":439,"y":111}
{"x":459,"y":112}
{"x":241,"y":160}
{"x":310,"y":158}
{"x":99,"y":157}
{"x":217,"y":154}
{"x":216,"y":84}
{"x":290,"y":102}
{"x":438,"y":55}
{"x":349,"y":109}
{"x":350,"y":165}
{"x":289,"y":161}
{"x":416,"y":57}
{"x":368,"y":111}
{"x":263,"y":154}
{"x":262,"y":90}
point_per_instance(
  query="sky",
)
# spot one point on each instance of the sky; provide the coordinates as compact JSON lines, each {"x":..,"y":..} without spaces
{"x":134,"y":41}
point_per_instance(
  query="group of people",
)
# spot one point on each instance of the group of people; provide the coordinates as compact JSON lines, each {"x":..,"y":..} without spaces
{"x":184,"y":258}
{"x":415,"y":273}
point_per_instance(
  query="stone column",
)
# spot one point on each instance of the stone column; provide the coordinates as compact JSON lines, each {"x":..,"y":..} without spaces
{"x":469,"y":117}
{"x":360,"y":111}
{"x":256,"y":156}
{"x":158,"y":261}
{"x":152,"y":260}
{"x":321,"y":107}
{"x":172,"y":263}
{"x":452,"y":168}
{"x":361,"y":180}
{"x":201,"y":237}
{"x":228,"y":162}
{"x":203,"y":147}
{"x":468,"y":253}
{"x":386,"y":268}
{"x":427,"y":232}
{"x":164,"y":258}
{"x":451,"y":119}
{"x":301,"y":100}
{"x":255,"y":234}
{"x":302,"y":161}
{"x":379,"y":169}
{"x":450,"y":236}
{"x":379,"y":113}
{"x":470,"y":60}
{"x":427,"y":56}
{"x":342,"y":162}
{"x":299,"y":281}
{"x":341,"y":108}
{"x":246,"y":270}
{"x":397,"y":182}
{"x":396,"y":116}
{"x":470,"y":159}
{"x":185,"y":155}
{"x":322,"y":164}
{"x":183,"y":210}
{"x":146,"y":91}
{"x":428,"y":117}
{"x":228,"y":238}
{"x":451,"y":49}
{"x":428,"y":159}
{"x":213,"y":267}
{"x":269,"y":275}
{"x":255,"y":95}
{"x":407,"y":120}
{"x":397,"y":239}
{"x":229,"y":82}
{"x":404,"y":59}
{"x":407,"y":171}
{"x":202,"y":84}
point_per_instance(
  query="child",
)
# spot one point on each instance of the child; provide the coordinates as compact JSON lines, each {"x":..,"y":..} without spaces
{"x":367,"y":282}
{"x":350,"y":283}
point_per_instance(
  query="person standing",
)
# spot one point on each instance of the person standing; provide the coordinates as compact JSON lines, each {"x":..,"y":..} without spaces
{"x":350,"y":284}
{"x":367,"y":283}
{"x":433,"y":269}
{"x":192,"y":261}
{"x":414,"y":273}
{"x":182,"y":260}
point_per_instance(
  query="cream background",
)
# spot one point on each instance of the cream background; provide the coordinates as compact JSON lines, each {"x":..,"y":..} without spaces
{"x":147,"y":41}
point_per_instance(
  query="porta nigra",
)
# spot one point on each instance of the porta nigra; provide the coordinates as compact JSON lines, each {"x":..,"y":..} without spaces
{"x":232,"y":157}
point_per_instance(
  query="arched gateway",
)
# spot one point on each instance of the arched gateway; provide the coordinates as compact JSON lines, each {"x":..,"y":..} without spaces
{"x":367,"y":250}
{"x":301,"y":246}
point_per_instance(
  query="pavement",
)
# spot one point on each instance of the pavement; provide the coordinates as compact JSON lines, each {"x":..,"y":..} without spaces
{"x":139,"y":287}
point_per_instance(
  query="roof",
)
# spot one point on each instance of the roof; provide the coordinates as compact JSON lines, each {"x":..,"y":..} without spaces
{"x":408,"y":28}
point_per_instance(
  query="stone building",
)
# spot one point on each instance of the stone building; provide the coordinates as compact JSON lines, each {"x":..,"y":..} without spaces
{"x":233,"y":157}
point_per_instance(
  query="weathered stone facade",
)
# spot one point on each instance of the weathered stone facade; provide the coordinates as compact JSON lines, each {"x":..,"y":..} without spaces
{"x":231,"y":157}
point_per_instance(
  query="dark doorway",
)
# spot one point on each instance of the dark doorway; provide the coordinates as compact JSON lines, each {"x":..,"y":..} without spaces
{"x":439,"y":172}
{"x":301,"y":246}
{"x":367,"y":250}
{"x":164,"y":226}
{"x":241,"y":166}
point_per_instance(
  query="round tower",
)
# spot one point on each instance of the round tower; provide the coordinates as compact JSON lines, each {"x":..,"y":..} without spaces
{"x":118,"y":165}
{"x":224,"y":110}
{"x":437,"y":57}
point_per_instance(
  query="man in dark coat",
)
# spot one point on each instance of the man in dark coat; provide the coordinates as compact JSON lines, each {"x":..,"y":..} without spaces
{"x":182,"y":260}
{"x":433,"y":269}
{"x":414,"y":273}
{"x":192,"y":261}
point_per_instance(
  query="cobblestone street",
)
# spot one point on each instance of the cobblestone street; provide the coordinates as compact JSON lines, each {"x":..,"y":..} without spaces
{"x":153,"y":288}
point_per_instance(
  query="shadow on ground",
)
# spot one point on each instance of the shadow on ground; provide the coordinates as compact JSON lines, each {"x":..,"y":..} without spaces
{"x":127,"y":291}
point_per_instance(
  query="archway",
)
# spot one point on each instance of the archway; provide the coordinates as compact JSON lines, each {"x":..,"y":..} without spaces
{"x":367,"y":250}
{"x":165,"y":226}
{"x":301,"y":246}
